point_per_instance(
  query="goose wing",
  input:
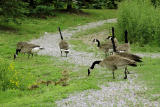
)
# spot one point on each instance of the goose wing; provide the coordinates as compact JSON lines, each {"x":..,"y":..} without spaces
{"x":33,"y":45}
{"x":131,"y":56}
{"x":63,"y":45}
{"x":118,"y":61}
{"x":21,"y":44}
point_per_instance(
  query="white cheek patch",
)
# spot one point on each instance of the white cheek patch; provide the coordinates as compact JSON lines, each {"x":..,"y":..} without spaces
{"x":110,"y":38}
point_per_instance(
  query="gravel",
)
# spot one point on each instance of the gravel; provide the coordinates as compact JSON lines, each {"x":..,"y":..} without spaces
{"x":152,"y":55}
{"x":120,"y":94}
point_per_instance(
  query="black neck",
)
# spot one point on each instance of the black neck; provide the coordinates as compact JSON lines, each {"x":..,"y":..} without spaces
{"x":98,"y":45}
{"x":126,"y":38}
{"x":112,"y":32}
{"x":17,"y":51}
{"x":112,"y":39}
{"x":94,"y":63}
{"x":60,"y":33}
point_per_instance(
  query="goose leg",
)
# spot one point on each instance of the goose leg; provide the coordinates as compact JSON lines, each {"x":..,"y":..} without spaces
{"x":113,"y":74}
{"x":61,"y":52}
{"x":66,"y":54}
{"x":125,"y":72}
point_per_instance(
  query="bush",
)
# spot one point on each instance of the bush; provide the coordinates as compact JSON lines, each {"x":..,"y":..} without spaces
{"x":11,"y":10}
{"x":10,"y":78}
{"x":141,"y":20}
{"x":43,"y":10}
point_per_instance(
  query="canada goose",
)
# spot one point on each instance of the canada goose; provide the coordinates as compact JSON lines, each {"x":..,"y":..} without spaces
{"x":19,"y":46}
{"x":63,"y":45}
{"x":126,"y":46}
{"x":114,"y":62}
{"x":115,"y":39}
{"x":106,"y":47}
{"x":25,"y":47}
{"x":125,"y":54}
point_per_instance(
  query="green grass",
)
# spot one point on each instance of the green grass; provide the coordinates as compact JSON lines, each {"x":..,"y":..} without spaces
{"x":149,"y":74}
{"x":145,"y":48}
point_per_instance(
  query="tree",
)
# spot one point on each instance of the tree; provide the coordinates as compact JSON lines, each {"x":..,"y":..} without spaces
{"x":69,"y":4}
{"x":12,"y":9}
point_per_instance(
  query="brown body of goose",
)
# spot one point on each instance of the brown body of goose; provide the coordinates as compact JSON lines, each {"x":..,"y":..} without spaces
{"x":125,"y":54}
{"x":63,"y":45}
{"x":126,"y":46}
{"x":106,"y":47}
{"x":28,"y":48}
{"x":113,"y":63}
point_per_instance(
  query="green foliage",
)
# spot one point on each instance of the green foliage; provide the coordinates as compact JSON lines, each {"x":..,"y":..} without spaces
{"x":12,"y":9}
{"x":156,"y":3}
{"x":111,"y":4}
{"x":97,"y":4}
{"x":42,"y":10}
{"x":10,"y":78}
{"x":141,"y":20}
{"x":4,"y":81}
{"x":149,"y":74}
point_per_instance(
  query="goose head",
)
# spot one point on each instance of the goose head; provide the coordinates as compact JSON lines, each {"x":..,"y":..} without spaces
{"x":109,"y":38}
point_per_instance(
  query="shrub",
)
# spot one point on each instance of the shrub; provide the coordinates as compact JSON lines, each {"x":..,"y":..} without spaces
{"x":11,"y":10}
{"x":43,"y":10}
{"x":141,"y":20}
{"x":10,"y":78}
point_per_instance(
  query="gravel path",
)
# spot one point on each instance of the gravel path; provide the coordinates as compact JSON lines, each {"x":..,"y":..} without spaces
{"x":152,"y":55}
{"x":119,"y":94}
{"x":50,"y":43}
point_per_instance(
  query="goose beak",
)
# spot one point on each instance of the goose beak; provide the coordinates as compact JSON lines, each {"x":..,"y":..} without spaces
{"x":89,"y":72}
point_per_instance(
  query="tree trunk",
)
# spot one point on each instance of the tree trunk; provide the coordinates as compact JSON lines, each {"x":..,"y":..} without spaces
{"x":69,"y":4}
